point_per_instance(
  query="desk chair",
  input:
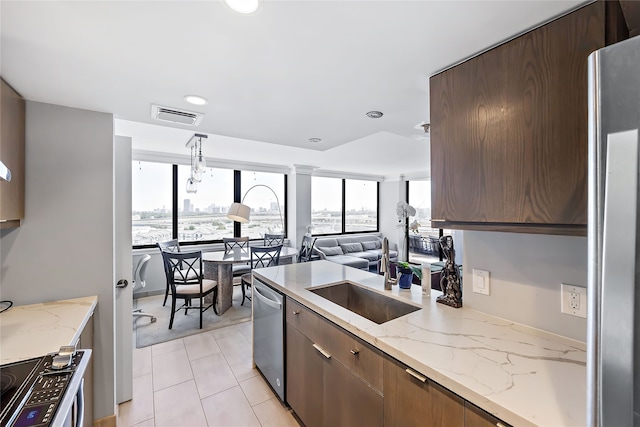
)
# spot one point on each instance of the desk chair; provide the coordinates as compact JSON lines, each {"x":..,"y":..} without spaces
{"x":186,"y":284}
{"x":139,"y":279}
{"x":261,"y":256}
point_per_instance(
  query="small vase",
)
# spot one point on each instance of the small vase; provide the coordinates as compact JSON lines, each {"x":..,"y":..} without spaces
{"x":406,"y":276}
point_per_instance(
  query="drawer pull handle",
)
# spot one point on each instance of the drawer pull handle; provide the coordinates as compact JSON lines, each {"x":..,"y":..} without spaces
{"x":439,"y":220}
{"x":499,"y":424}
{"x":416,"y":375}
{"x":296,"y":312}
{"x":355,"y":352}
{"x":321,"y":350}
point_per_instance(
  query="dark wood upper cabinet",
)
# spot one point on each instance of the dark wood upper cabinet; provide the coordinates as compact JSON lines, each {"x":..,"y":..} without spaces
{"x":12,"y":146}
{"x":509,"y":131}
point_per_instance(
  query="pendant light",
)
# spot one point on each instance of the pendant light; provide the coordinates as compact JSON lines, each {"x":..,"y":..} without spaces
{"x":192,"y":187}
{"x":201,"y":162}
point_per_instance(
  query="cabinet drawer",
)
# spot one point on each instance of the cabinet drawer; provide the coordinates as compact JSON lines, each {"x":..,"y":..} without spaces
{"x":476,"y":417}
{"x":362,"y":359}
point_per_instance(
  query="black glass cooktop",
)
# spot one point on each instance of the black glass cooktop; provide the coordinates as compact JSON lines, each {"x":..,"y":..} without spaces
{"x":14,"y":378}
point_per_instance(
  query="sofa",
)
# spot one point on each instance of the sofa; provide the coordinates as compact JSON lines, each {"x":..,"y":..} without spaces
{"x":358,"y":251}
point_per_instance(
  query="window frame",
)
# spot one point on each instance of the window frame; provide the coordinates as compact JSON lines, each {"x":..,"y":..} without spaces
{"x":237,"y":197}
{"x":344,"y":211}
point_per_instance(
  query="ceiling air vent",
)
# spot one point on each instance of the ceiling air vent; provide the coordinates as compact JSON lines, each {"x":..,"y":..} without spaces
{"x":173,"y":115}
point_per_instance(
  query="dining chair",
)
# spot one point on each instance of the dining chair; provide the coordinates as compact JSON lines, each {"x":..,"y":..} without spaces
{"x":306,"y":249}
{"x":237,"y":243}
{"x":168,"y":246}
{"x":273,"y":239}
{"x":186,"y":283}
{"x":139,"y":275}
{"x":261,"y":256}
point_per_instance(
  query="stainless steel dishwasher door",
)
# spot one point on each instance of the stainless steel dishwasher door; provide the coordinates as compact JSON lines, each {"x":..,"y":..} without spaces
{"x":268,"y":334}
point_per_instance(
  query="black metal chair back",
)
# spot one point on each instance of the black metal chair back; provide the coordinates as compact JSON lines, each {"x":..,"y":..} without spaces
{"x":265,"y":256}
{"x":273,"y":239}
{"x":306,"y":250}
{"x":233,"y":243}
{"x":168,"y":246}
{"x":183,"y":275}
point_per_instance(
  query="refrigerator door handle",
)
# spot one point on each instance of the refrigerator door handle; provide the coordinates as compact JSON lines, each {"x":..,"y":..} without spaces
{"x":618,"y":278}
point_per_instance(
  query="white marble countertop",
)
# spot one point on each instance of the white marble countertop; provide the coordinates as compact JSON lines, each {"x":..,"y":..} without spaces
{"x":34,"y":330}
{"x":522,"y":375}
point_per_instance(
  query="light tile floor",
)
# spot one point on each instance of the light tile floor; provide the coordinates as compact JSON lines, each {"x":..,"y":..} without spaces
{"x":202,"y":380}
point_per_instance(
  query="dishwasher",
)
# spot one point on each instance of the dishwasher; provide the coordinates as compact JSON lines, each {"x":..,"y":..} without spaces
{"x":268,"y":334}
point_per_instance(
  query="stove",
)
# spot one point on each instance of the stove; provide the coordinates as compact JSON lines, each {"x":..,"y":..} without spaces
{"x":44,"y":391}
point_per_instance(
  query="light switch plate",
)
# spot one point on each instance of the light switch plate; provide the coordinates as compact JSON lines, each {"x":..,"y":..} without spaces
{"x":481,"y":282}
{"x":574,"y":300}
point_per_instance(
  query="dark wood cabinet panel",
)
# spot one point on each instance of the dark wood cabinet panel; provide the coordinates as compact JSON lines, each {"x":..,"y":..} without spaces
{"x":348,"y":400}
{"x":476,"y":417}
{"x":509,"y":131}
{"x":409,"y":401}
{"x":304,"y":379}
{"x":12,"y":146}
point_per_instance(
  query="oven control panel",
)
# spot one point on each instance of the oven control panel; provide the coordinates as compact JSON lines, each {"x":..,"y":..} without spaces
{"x":47,"y":391}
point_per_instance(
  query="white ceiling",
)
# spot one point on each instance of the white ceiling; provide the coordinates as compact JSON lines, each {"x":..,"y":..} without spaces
{"x":293,"y":71}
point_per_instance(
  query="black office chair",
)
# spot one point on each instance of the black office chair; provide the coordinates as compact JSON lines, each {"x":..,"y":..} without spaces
{"x":139,"y":275}
{"x":186,"y":283}
{"x":261,"y":256}
{"x":273,"y":239}
{"x":306,"y":249}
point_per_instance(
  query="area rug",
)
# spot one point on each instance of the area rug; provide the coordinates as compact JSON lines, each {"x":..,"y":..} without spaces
{"x":148,"y":333}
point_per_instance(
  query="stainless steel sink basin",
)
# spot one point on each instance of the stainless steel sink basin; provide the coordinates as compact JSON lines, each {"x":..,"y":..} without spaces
{"x":372,"y":305}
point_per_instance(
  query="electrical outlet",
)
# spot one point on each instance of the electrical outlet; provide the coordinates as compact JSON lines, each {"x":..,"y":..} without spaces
{"x":573,"y":300}
{"x":481,"y":282}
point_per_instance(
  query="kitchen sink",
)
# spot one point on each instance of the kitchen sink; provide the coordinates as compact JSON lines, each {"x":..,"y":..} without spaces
{"x":372,"y":305}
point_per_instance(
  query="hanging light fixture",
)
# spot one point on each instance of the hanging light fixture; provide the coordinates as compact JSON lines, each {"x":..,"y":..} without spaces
{"x":192,"y":187}
{"x":201,"y":162}
{"x":197,"y":160}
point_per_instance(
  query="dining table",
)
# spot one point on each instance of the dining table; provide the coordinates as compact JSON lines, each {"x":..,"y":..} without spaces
{"x":218,"y":266}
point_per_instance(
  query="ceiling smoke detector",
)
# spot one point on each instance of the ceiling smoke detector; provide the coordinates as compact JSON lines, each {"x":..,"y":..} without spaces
{"x":175,"y":115}
{"x":374,"y":114}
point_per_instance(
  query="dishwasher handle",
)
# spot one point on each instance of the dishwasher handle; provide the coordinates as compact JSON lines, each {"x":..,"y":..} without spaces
{"x":271,"y":303}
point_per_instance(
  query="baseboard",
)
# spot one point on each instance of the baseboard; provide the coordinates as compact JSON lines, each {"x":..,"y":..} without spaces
{"x":148,"y":293}
{"x":109,"y":421}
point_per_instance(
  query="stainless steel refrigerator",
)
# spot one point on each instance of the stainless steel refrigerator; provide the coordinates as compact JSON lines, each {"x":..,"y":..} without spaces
{"x":613,"y":335}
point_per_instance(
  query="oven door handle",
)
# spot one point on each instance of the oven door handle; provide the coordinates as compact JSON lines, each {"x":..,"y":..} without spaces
{"x":80,"y":405}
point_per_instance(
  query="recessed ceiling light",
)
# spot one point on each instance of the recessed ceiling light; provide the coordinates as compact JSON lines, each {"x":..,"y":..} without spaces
{"x":374,"y":114}
{"x":315,"y":140}
{"x":195,"y":100}
{"x":243,"y":6}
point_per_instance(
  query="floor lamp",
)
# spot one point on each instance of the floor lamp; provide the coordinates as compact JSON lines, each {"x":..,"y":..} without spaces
{"x":240,"y":212}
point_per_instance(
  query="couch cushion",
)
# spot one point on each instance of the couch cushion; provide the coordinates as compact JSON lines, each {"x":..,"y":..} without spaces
{"x":393,"y":255}
{"x":369,"y":256}
{"x":331,"y":251}
{"x":374,"y":244}
{"x":322,"y":242}
{"x":351,"y":247}
{"x":350,"y":261}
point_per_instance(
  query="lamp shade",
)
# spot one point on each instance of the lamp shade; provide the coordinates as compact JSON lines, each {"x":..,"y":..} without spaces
{"x":239,"y":212}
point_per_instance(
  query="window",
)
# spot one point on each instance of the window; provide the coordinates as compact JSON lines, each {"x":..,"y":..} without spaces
{"x":265,"y":212}
{"x":326,"y":205}
{"x":202,"y":216}
{"x":151,"y":204}
{"x":343,"y":205}
{"x":163,"y":210}
{"x":361,"y":205}
{"x":423,"y":241}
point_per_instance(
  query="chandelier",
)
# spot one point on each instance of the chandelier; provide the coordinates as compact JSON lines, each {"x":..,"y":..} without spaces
{"x":197,"y":161}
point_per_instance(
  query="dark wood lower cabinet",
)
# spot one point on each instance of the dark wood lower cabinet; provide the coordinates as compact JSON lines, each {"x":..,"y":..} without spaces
{"x":304,"y":379}
{"x":324,"y":392}
{"x":414,"y":400}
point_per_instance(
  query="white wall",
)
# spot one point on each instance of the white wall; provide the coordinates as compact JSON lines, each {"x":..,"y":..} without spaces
{"x":64,"y":249}
{"x":390,"y":193}
{"x":526,"y":273}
